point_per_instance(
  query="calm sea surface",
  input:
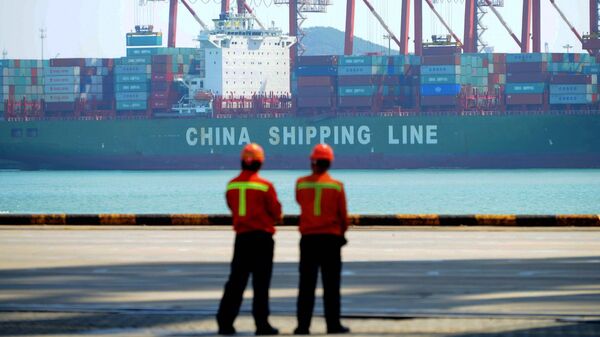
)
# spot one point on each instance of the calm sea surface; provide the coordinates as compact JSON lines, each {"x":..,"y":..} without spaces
{"x":369,"y":192}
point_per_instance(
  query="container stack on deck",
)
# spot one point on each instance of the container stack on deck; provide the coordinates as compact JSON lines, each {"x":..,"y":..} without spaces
{"x":526,"y":79}
{"x":146,"y":82}
{"x":23,"y":85}
{"x":440,"y":80}
{"x":361,"y":80}
{"x":132,"y":76}
{"x":316,"y":82}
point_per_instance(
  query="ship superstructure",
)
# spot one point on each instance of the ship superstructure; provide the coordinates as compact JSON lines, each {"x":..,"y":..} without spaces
{"x":243,"y":60}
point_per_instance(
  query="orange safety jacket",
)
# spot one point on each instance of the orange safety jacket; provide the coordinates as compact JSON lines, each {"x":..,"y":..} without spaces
{"x":253,"y":203}
{"x":322,"y":205}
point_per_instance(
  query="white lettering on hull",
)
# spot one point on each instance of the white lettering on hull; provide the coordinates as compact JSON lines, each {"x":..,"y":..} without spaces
{"x":209,"y":136}
{"x":310,"y":135}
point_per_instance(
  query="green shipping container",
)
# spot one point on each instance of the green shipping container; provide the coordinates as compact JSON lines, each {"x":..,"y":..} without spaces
{"x":132,"y":105}
{"x":129,"y":78}
{"x":131,"y":87}
{"x":357,"y":91}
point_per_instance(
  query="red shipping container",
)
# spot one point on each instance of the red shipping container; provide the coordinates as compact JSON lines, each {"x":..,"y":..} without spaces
{"x":17,"y":63}
{"x":165,"y":95}
{"x":160,"y":86}
{"x":161,"y":68}
{"x":162,"y":59}
{"x":499,"y":58}
{"x":441,"y":60}
{"x":571,"y":79}
{"x":441,"y":50}
{"x":485,"y":62}
{"x":526,"y":77}
{"x":159,"y":104}
{"x":60,"y":106}
{"x":34,"y":72}
{"x":358,"y":80}
{"x":525,"y":99}
{"x":438,"y":100}
{"x":557,"y":57}
{"x":499,"y":68}
{"x":314,"y":102}
{"x":355,"y":101}
{"x":315,"y":91}
{"x":325,"y":60}
{"x":315,"y":81}
{"x":67,"y":62}
{"x":162,"y":77}
{"x":526,"y":67}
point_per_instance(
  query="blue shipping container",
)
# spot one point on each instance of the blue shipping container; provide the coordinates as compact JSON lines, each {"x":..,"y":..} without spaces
{"x":131,"y":69}
{"x":440,"y":70}
{"x":316,"y":71}
{"x":440,"y":89}
{"x":592,"y":69}
{"x":361,"y":70}
{"x":525,"y":88}
{"x":577,"y":89}
{"x":131,"y":96}
{"x":572,"y":99}
{"x":530,"y":57}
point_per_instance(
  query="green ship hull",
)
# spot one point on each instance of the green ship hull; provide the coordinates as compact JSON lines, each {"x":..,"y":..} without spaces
{"x":450,"y":141}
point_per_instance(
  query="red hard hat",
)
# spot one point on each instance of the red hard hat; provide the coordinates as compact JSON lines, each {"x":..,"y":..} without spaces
{"x":322,"y":151}
{"x":253,"y":152}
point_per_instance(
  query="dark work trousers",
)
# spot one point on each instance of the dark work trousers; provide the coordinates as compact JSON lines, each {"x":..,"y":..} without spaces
{"x":320,"y":251}
{"x":253,"y":253}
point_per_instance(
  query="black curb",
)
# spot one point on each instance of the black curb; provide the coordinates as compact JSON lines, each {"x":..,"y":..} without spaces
{"x":400,"y":220}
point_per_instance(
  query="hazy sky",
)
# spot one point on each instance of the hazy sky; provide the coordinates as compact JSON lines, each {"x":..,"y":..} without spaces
{"x":97,"y":28}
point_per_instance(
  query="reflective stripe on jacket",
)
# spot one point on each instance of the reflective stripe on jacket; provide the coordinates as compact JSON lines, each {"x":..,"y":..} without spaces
{"x":253,"y":203}
{"x":322,"y":205}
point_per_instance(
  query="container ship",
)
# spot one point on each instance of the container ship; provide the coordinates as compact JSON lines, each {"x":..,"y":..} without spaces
{"x":193,"y":108}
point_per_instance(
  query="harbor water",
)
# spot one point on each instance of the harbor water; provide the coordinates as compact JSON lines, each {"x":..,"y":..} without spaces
{"x":369,"y":192}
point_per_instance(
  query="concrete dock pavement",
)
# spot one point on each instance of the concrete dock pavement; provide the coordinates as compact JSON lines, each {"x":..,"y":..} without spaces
{"x":396,"y":281}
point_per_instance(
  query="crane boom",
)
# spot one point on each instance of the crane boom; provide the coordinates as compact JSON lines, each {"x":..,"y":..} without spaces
{"x":387,"y":29}
{"x":189,"y":8}
{"x":249,"y":10}
{"x":491,"y":5}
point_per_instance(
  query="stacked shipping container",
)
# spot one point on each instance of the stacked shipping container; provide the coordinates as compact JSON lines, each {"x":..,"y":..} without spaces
{"x":316,"y":82}
{"x":526,"y":79}
{"x":132,"y":75}
{"x":440,"y":80}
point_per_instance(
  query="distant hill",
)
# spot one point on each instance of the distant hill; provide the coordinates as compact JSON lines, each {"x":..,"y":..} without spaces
{"x":330,"y":41}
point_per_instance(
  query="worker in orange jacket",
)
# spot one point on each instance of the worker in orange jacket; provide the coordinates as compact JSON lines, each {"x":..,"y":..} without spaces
{"x":323,"y":223}
{"x":255,"y":209}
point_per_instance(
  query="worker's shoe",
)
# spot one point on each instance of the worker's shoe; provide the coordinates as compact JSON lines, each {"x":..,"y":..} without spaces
{"x":338,"y":329}
{"x":301,"y":331}
{"x":266,"y":330}
{"x":227,"y":330}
